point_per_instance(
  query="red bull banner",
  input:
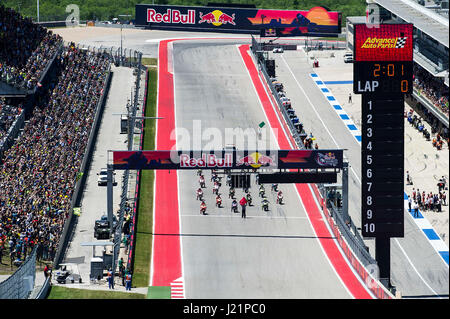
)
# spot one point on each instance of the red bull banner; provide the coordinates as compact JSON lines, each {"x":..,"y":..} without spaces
{"x":317,"y":21}
{"x":230,"y":159}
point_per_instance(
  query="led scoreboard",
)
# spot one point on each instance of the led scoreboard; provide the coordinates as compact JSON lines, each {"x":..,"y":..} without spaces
{"x":383,"y":73}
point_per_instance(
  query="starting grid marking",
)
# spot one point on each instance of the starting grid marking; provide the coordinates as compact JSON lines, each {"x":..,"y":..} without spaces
{"x":436,"y":242}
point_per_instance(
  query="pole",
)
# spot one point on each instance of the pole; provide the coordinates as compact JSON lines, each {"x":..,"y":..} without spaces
{"x":345,"y":191}
{"x":109,"y":197}
{"x":121,"y":24}
{"x":383,"y":258}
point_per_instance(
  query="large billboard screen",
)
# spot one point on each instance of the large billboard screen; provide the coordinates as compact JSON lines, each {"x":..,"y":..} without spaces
{"x":317,"y":21}
{"x":275,"y":159}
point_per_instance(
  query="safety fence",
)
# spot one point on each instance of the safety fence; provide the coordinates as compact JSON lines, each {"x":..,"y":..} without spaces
{"x":125,"y":206}
{"x":119,"y":56}
{"x":345,"y":231}
{"x":20,"y":284}
{"x":318,"y":44}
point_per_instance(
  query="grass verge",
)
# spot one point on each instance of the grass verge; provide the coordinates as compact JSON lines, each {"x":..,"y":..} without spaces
{"x":58,"y":292}
{"x":143,"y":248}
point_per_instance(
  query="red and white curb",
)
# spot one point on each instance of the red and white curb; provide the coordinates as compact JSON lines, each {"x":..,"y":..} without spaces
{"x":177,"y":289}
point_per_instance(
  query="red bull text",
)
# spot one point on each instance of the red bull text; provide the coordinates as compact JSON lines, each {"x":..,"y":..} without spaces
{"x":207,"y":160}
{"x":171,"y":16}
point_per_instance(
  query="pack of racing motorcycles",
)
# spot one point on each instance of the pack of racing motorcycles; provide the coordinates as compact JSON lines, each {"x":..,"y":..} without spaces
{"x":247,"y":199}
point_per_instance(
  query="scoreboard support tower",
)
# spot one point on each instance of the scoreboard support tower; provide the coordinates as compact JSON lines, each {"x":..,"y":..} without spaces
{"x":382,"y":74}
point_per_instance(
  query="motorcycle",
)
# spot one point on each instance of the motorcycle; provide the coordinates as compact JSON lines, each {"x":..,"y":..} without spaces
{"x":231,"y":193}
{"x":216,"y":189}
{"x":202,"y":182}
{"x":265,"y":205}
{"x":262,"y":191}
{"x":280,"y":199}
{"x":275,"y":187}
{"x":249,"y":199}
{"x":203,"y":208}
{"x":218,"y":201}
{"x":229,"y":180}
{"x":234,"y":206}
{"x":200,"y":195}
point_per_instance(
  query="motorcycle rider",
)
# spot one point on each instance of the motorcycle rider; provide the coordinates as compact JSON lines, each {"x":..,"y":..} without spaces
{"x":229,"y":180}
{"x":262,"y":191}
{"x":201,"y":181}
{"x":199,"y":194}
{"x":280,"y":197}
{"x":249,"y":199}
{"x":231,"y":193}
{"x":218,"y":201}
{"x":203,"y":208}
{"x":265,"y":204}
{"x":216,"y":188}
{"x":234,"y":206}
{"x":275,"y":187}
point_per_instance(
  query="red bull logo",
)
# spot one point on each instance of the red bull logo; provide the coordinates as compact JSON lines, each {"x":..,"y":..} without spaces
{"x":327,"y":159}
{"x":217,"y":18}
{"x":256,"y":160}
{"x":207,"y":160}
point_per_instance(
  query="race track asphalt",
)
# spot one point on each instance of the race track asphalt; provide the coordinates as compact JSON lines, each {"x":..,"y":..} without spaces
{"x":271,"y":254}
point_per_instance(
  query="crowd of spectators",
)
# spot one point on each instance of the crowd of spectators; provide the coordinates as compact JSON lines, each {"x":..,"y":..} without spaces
{"x":39,"y":172}
{"x":427,"y":201}
{"x":8,"y":114}
{"x":25,"y":49}
{"x":436,"y":92}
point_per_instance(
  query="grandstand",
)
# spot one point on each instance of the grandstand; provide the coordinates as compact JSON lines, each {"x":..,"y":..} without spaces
{"x":42,"y":160}
{"x":26,"y":51}
{"x":431,"y":43}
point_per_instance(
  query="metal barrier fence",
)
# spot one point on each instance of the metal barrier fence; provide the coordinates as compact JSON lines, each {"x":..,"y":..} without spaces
{"x":344,"y":230}
{"x":131,"y":251}
{"x":128,"y":57}
{"x":20,"y":284}
{"x":124,"y":205}
{"x":317,"y":44}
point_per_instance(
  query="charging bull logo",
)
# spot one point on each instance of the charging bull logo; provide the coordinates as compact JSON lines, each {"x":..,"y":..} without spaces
{"x":256,"y":160}
{"x":327,"y":159}
{"x":217,"y":18}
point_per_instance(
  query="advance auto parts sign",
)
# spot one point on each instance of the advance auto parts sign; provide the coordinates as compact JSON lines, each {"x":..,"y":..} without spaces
{"x":316,"y":21}
{"x":388,"y":42}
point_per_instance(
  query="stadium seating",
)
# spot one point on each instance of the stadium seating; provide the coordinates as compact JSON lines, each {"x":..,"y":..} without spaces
{"x":25,"y":49}
{"x":39,"y":171}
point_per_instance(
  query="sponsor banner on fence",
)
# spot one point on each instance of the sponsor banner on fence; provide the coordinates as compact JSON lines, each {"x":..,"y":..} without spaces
{"x":317,"y":21}
{"x":228,"y":159}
